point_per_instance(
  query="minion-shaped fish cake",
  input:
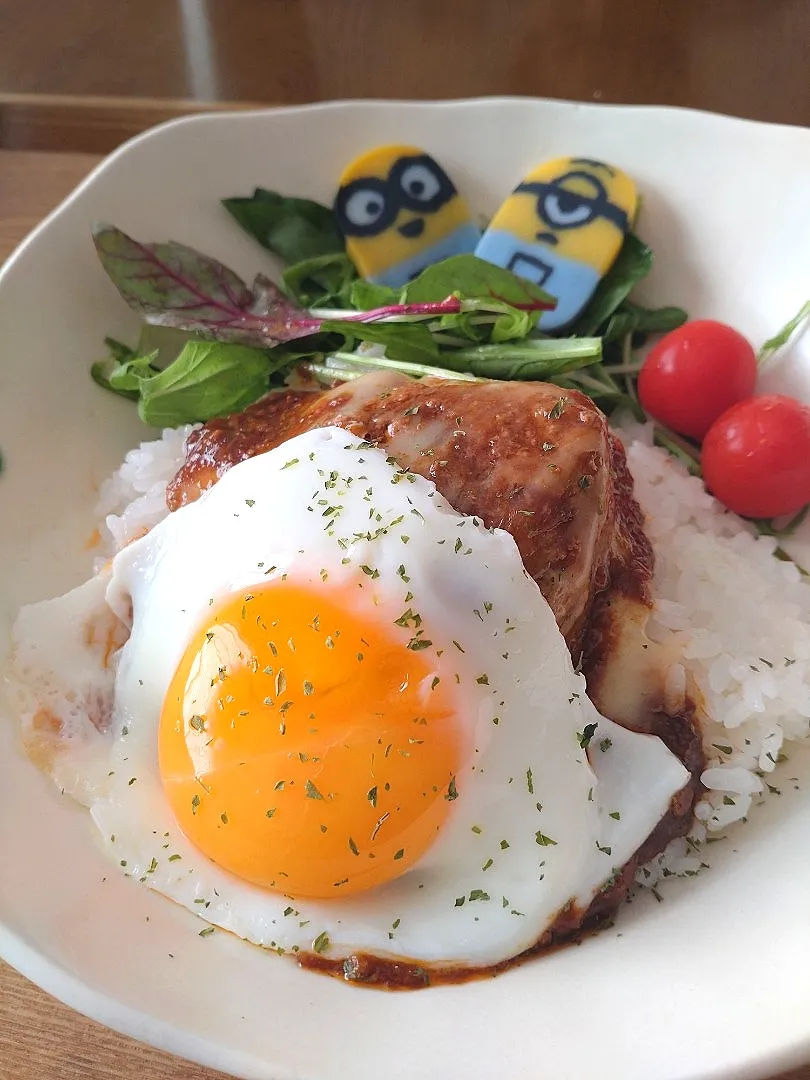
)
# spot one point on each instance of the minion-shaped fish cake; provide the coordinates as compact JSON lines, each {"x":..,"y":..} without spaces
{"x":400,"y":212}
{"x":562,"y":228}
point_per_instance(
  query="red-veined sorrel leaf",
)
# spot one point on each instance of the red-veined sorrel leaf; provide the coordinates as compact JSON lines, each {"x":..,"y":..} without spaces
{"x":170,"y":284}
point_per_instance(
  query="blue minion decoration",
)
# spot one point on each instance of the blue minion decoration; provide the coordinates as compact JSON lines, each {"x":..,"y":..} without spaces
{"x":562,"y":228}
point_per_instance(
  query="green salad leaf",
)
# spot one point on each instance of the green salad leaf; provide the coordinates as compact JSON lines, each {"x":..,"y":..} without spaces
{"x":534,"y":359}
{"x":631,"y":318}
{"x":118,"y":355}
{"x":207,"y":379}
{"x":128,"y":377}
{"x":471,"y":277}
{"x":498,"y":306}
{"x":292,"y":228}
{"x":412,"y":342}
{"x":632,"y":265}
{"x":322,"y":281}
{"x":118,"y":351}
{"x":365,"y":295}
{"x":780,"y":339}
{"x":212,"y":345}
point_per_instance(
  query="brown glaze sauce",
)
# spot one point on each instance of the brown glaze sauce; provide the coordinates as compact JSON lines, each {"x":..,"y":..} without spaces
{"x":365,"y":970}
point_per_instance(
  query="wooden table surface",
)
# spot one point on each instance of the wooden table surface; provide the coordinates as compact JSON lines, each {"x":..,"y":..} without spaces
{"x":39,"y":1038}
{"x":748,"y":57}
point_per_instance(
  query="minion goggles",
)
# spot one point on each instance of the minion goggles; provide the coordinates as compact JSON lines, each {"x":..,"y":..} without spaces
{"x":368,"y":206}
{"x":561,"y":208}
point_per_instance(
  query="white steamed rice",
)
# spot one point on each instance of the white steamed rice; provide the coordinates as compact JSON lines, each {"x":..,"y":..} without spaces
{"x":741,"y":615}
{"x":133,"y":499}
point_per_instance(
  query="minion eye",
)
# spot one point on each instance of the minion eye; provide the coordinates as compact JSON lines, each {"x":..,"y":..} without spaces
{"x":420,"y":183}
{"x":565,"y":209}
{"x":364,"y":207}
{"x":560,"y":207}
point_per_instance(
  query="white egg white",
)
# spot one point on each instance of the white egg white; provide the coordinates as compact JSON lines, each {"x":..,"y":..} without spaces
{"x":62,"y":685}
{"x":535,"y":824}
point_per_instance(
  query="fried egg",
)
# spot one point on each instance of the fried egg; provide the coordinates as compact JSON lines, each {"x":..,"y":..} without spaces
{"x":344,"y":719}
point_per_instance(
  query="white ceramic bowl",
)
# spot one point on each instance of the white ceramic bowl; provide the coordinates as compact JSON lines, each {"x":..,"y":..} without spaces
{"x":712,"y":982}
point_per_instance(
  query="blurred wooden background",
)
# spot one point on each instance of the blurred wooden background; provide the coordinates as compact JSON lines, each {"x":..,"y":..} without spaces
{"x":85,"y":74}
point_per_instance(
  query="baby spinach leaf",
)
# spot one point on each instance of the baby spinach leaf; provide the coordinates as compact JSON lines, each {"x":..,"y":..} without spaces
{"x":292,"y":228}
{"x":322,"y":281}
{"x":469,"y":277}
{"x":515,"y":304}
{"x":128,"y":377}
{"x":207,"y":379}
{"x":655,"y":320}
{"x":365,"y":295}
{"x":630,"y":318}
{"x":509,"y":305}
{"x":632,"y":264}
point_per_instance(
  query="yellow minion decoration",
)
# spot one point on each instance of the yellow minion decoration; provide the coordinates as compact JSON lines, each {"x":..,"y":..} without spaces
{"x":400,"y":213}
{"x":562,"y":228}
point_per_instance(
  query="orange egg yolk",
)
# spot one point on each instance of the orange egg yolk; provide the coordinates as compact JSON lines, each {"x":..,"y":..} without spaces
{"x":306,"y":748}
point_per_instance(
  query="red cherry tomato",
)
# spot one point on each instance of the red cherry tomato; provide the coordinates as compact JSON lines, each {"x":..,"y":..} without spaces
{"x":693,"y":374}
{"x":756,"y":457}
